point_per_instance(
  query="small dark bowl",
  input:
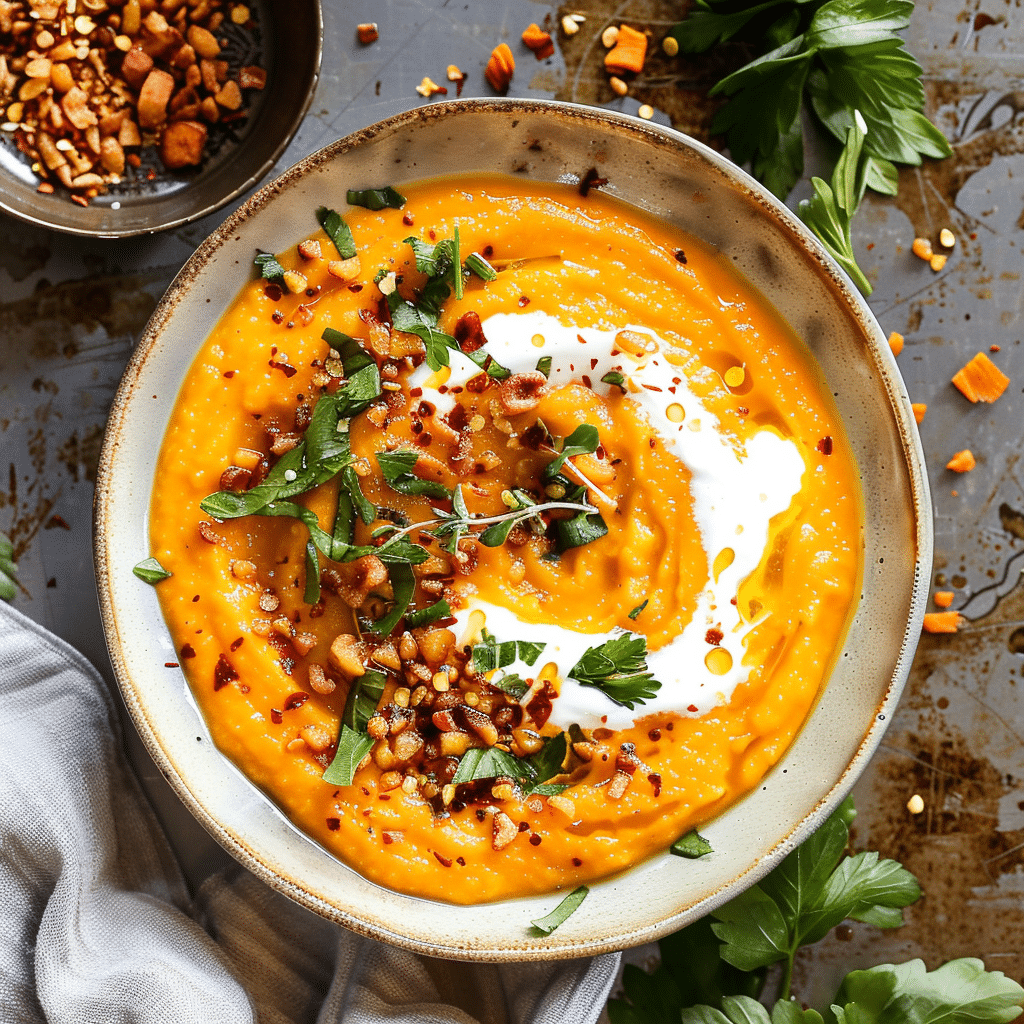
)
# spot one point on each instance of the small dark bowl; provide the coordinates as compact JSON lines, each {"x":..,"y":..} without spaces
{"x":287,"y":42}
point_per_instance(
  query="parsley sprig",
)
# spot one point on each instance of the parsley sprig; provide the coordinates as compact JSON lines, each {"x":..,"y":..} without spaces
{"x":712,"y":971}
{"x":836,"y":57}
{"x":8,"y":569}
{"x":618,"y":668}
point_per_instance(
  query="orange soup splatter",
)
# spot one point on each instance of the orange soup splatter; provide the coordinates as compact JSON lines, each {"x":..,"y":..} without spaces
{"x":512,"y":536}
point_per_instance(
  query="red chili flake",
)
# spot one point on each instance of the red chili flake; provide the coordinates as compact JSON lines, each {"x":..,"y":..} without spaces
{"x":407,"y":220}
{"x":460,"y":860}
{"x":680,"y":255}
{"x":384,"y":796}
{"x":417,"y":427}
{"x":651,"y":442}
{"x":432,"y":233}
{"x":535,"y":839}
{"x":295,"y":700}
{"x":523,"y":301}
{"x":469,"y":332}
{"x":692,"y":708}
{"x":194,"y":599}
{"x":425,"y":439}
{"x":713,"y":637}
{"x":825,"y":445}
{"x":576,"y":862}
{"x":415,"y":392}
{"x":82,"y":201}
{"x":743,"y":410}
{"x":991,"y":348}
{"x":443,"y":861}
{"x":276,"y":717}
{"x":732,"y":600}
{"x":170,"y":664}
{"x":591,"y":180}
{"x":668,"y":725}
{"x":277,"y":316}
{"x":534,"y":437}
{"x":672,"y":390}
{"x":478,"y":384}
{"x":425,"y":409}
{"x":223,"y":673}
{"x":488,"y":251}
{"x":655,"y":780}
{"x":235,"y":644}
{"x":355,"y":287}
{"x":187,"y":651}
{"x":654,"y":734}
{"x":652,"y":387}
{"x":56,"y":520}
{"x":586,"y":381}
{"x":593,"y":363}
{"x":386,"y":838}
{"x":334,"y":824}
{"x":286,"y":368}
{"x":539,"y":708}
{"x":228,"y":373}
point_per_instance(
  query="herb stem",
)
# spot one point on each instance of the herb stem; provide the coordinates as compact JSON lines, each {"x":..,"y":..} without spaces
{"x":787,"y":975}
{"x":518,"y":515}
{"x":574,"y":469}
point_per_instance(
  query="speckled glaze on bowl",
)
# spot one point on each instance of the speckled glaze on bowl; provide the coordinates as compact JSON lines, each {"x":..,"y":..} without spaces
{"x":685,"y":184}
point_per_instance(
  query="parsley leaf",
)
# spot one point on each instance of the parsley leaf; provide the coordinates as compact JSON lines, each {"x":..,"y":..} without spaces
{"x":562,"y":913}
{"x":489,"y":654}
{"x":363,"y":698}
{"x":397,"y":469}
{"x":269,"y":267}
{"x":338,"y":232}
{"x":403,"y":585}
{"x":352,"y":748}
{"x":376,"y":198}
{"x":149,"y":570}
{"x":362,"y":378}
{"x":829,"y":213}
{"x":9,"y":569}
{"x":489,"y":763}
{"x":960,"y":992}
{"x":584,"y":440}
{"x":547,"y":763}
{"x":635,"y":613}
{"x":618,"y":668}
{"x":582,"y":528}
{"x":311,"y":592}
{"x":692,"y":845}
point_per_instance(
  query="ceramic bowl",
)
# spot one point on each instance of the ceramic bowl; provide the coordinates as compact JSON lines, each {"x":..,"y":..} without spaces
{"x":287,"y":43}
{"x":688,"y":185}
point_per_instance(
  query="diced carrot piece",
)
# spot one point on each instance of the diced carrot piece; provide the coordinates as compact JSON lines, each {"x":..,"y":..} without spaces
{"x":920,"y":408}
{"x":500,"y":68}
{"x":962,"y":462}
{"x":941,"y":622}
{"x":896,"y":342}
{"x":943,"y":598}
{"x":536,"y":39}
{"x":981,"y":380}
{"x":628,"y":54}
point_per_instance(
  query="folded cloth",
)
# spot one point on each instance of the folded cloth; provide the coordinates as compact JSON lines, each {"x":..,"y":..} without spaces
{"x":97,"y":927}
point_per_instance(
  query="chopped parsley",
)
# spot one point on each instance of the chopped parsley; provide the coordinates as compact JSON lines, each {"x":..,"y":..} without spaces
{"x":561,"y":913}
{"x":618,"y":668}
{"x":269,"y":267}
{"x":149,"y":570}
{"x":338,"y":231}
{"x":376,"y":198}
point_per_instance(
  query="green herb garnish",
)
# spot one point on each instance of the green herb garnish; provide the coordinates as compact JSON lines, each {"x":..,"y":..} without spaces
{"x":616,"y":378}
{"x":352,"y":748}
{"x":692,"y":845}
{"x":338,"y":231}
{"x":511,"y":683}
{"x":362,"y":378}
{"x":424,"y":616}
{"x":489,"y":763}
{"x":618,"y":668}
{"x":149,"y":570}
{"x":829,"y":213}
{"x":270,"y":269}
{"x":584,"y":440}
{"x":489,"y":654}
{"x":547,"y":763}
{"x":639,"y":608}
{"x":9,"y":569}
{"x":561,"y":913}
{"x":397,"y":467}
{"x":376,"y":198}
{"x":479,"y":266}
{"x":544,"y":365}
{"x":363,"y":698}
{"x":311,"y":593}
{"x":584,"y":528}
{"x":403,"y":585}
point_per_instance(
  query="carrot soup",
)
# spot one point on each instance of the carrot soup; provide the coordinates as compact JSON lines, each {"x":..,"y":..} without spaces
{"x":511,"y":534}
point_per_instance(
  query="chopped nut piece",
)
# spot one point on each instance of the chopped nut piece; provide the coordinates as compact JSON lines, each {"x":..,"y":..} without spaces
{"x":229,"y":96}
{"x":367,"y":32}
{"x":937,"y":262}
{"x":346,"y":655}
{"x":316,"y":738}
{"x":252,"y":77}
{"x":563,"y":804}
{"x":295,"y":282}
{"x":203,"y":41}
{"x":619,"y":87}
{"x":947,"y":238}
{"x":670,"y":45}
{"x":182,"y":143}
{"x":377,"y":727}
{"x":619,"y":784}
{"x":242,"y":569}
{"x":609,"y":35}
{"x":309,"y":249}
{"x":646,"y":112}
{"x":915,"y":804}
{"x":505,"y":830}
{"x":570,"y":26}
{"x":153,"y":99}
{"x":344,"y":270}
{"x":318,"y":681}
{"x":454,"y":74}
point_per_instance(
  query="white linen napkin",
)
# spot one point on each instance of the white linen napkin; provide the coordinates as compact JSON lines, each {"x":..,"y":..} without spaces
{"x":96,"y":925}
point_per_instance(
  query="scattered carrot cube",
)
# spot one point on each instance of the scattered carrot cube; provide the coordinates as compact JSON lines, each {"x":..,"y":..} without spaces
{"x":943,"y":598}
{"x":920,"y":408}
{"x":941,"y":622}
{"x":536,"y":39}
{"x":628,"y":54}
{"x":981,"y":380}
{"x":500,"y":67}
{"x":896,"y":342}
{"x":962,"y":462}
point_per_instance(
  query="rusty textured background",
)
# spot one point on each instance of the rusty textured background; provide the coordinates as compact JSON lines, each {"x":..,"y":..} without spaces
{"x":70,"y":311}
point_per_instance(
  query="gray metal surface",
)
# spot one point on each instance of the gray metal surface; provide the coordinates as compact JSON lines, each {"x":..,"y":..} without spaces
{"x":70,"y":311}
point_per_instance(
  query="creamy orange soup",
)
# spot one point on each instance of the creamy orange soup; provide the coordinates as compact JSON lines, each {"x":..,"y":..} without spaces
{"x":579,"y":686}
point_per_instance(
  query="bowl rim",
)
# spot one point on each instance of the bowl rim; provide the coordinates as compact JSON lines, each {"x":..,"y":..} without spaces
{"x":11,"y":208}
{"x":550,"y":947}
